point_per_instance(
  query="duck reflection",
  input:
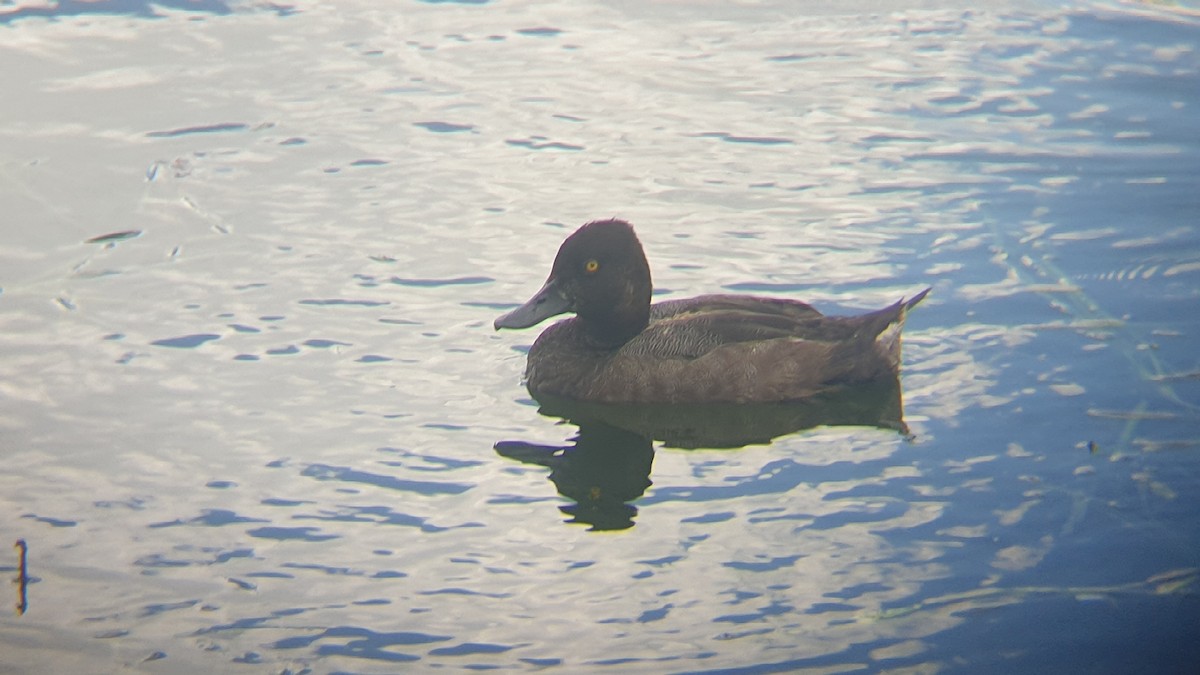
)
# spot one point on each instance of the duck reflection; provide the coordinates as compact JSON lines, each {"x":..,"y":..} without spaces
{"x":603,"y":470}
{"x":607,"y":463}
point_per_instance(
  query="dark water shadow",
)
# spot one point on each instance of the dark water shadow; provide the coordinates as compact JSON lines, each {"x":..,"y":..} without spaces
{"x":607,"y":464}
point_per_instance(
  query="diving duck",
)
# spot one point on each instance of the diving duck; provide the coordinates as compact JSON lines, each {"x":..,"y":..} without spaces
{"x":620,"y":348}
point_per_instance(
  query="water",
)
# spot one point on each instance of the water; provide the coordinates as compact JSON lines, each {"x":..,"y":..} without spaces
{"x":253,"y":413}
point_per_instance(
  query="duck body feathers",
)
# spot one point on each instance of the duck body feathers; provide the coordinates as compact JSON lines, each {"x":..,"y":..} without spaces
{"x":620,"y":348}
{"x":719,"y":349}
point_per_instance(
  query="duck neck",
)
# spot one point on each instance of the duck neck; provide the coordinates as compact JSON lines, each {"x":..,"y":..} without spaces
{"x":617,"y":324}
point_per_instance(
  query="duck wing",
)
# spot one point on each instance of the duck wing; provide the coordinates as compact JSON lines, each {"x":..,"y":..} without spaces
{"x":704,"y":304}
{"x":743,"y":349}
{"x":689,"y":329}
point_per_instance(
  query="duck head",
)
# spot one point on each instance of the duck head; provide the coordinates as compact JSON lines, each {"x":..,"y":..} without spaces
{"x":600,"y":274}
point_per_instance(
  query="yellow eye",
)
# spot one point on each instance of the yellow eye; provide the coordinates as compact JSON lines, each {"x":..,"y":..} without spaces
{"x":591,"y":266}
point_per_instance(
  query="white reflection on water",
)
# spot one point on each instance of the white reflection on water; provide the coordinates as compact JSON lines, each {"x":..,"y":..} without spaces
{"x":261,"y":430}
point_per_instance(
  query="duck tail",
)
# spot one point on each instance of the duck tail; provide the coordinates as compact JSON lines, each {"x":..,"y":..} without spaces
{"x":909,"y":304}
{"x":888,"y":339}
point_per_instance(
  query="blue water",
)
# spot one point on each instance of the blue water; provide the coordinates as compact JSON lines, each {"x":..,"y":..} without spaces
{"x":253,"y":413}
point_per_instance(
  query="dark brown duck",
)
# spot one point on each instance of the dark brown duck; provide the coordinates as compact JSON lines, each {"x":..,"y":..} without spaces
{"x":618,"y":348}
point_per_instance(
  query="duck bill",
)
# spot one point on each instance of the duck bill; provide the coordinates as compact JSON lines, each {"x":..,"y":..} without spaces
{"x":547,"y":302}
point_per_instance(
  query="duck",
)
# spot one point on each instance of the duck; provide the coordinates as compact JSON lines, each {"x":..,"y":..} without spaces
{"x":721,"y":348}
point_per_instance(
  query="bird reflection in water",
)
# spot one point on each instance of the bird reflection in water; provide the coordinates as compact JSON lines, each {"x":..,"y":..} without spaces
{"x":601,"y":472}
{"x":608,"y":463}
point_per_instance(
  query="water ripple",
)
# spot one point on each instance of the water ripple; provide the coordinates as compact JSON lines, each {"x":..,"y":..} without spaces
{"x":326,"y":472}
{"x":205,"y":129}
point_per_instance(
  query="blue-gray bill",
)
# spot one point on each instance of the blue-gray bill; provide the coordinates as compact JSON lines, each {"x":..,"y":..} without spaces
{"x":547,"y":302}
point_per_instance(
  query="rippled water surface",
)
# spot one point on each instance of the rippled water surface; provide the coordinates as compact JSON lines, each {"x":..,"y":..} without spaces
{"x":254,"y":417}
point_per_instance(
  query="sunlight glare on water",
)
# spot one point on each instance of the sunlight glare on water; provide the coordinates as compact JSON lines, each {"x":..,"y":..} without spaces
{"x":253,"y":411}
